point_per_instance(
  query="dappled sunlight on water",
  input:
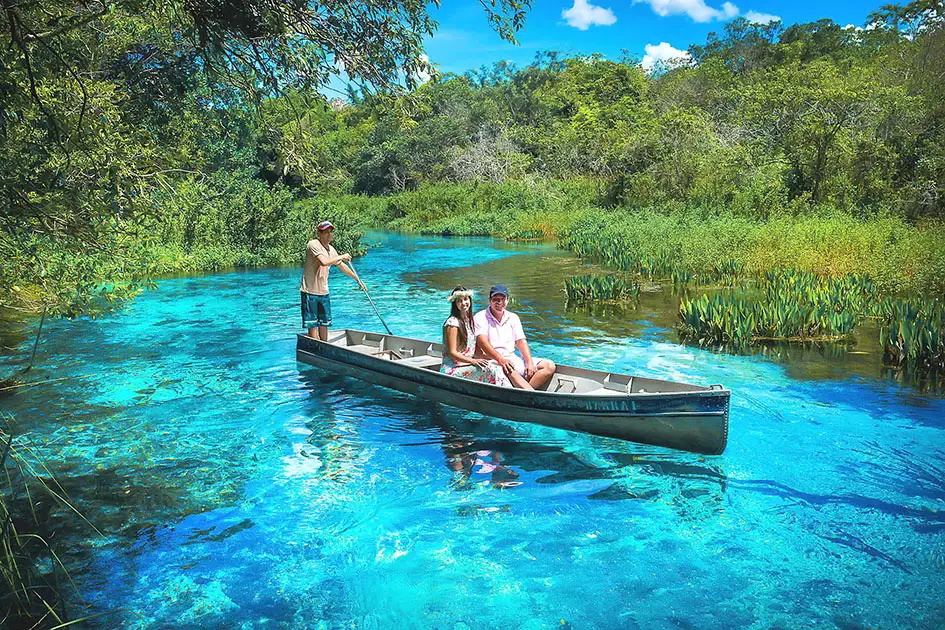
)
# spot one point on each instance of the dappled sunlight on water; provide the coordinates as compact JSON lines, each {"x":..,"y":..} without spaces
{"x":236,"y":487}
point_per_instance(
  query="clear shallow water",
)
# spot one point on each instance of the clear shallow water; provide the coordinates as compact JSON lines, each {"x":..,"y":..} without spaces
{"x":237,"y":488}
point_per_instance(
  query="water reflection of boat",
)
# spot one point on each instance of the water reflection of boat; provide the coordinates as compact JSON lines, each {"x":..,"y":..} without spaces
{"x":629,"y":473}
{"x":675,"y":415}
{"x":693,"y":485}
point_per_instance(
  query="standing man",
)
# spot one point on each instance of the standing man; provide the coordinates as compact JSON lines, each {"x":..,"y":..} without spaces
{"x":499,"y":333}
{"x":320,"y":257}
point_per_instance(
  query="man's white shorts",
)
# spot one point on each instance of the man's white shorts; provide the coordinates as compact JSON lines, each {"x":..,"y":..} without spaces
{"x":519,"y":363}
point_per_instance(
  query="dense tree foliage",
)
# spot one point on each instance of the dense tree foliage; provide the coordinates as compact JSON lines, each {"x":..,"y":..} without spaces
{"x":139,"y":136}
{"x":105,"y":107}
{"x":765,"y":118}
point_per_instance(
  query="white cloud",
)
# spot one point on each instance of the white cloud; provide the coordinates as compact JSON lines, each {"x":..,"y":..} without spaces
{"x":761,"y":18}
{"x":698,"y":10}
{"x":423,"y":75}
{"x":664,"y":53}
{"x":583,"y":15}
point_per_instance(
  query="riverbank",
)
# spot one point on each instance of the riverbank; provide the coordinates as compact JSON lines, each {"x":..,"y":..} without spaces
{"x":901,"y":257}
{"x":840,"y":268}
{"x":205,"y":229}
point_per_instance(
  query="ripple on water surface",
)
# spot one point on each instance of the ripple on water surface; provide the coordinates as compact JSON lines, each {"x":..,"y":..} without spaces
{"x":237,"y":488}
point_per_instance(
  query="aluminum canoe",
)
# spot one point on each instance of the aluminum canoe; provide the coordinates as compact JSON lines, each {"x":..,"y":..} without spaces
{"x":662,"y":413}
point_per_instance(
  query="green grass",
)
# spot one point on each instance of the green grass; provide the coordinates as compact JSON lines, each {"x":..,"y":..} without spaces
{"x":675,"y":242}
{"x":189,"y":235}
{"x":520,"y":210}
{"x":711,"y":247}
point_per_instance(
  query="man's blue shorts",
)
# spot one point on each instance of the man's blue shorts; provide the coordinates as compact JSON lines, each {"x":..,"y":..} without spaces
{"x":316,"y":310}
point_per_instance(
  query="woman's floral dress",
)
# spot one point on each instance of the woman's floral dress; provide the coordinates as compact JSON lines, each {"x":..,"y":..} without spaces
{"x":491,"y":374}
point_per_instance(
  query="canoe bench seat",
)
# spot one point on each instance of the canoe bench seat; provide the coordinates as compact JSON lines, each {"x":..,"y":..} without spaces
{"x":363,"y":349}
{"x":423,"y":361}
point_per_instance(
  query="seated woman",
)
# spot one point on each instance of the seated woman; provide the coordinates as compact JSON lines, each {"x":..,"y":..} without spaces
{"x":459,"y":344}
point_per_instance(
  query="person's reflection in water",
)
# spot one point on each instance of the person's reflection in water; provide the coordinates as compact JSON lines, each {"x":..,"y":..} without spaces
{"x":334,"y":449}
{"x":471,"y":466}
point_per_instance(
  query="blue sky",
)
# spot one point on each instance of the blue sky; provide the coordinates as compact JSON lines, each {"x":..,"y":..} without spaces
{"x":464,"y":40}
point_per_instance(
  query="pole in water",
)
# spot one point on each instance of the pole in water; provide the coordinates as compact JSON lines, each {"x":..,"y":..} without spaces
{"x":376,"y":312}
{"x":36,"y":344}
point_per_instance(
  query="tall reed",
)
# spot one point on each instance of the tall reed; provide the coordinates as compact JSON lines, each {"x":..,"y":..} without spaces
{"x":600,"y":288}
{"x":913,"y":336}
{"x":793,"y":306}
{"x":33,"y":579}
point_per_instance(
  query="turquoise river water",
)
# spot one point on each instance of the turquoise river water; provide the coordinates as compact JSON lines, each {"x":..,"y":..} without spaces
{"x":236,"y":488}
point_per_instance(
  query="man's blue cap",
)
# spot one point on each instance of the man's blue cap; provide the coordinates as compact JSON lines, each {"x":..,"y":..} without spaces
{"x":498,"y":289}
{"x":325,"y":225}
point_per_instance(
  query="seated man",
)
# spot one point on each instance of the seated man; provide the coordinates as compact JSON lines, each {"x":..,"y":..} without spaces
{"x":499,"y":333}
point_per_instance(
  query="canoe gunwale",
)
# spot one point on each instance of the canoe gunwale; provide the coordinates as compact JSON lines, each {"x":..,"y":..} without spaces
{"x":712,"y":390}
{"x":654,"y":414}
{"x":503,"y":394}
